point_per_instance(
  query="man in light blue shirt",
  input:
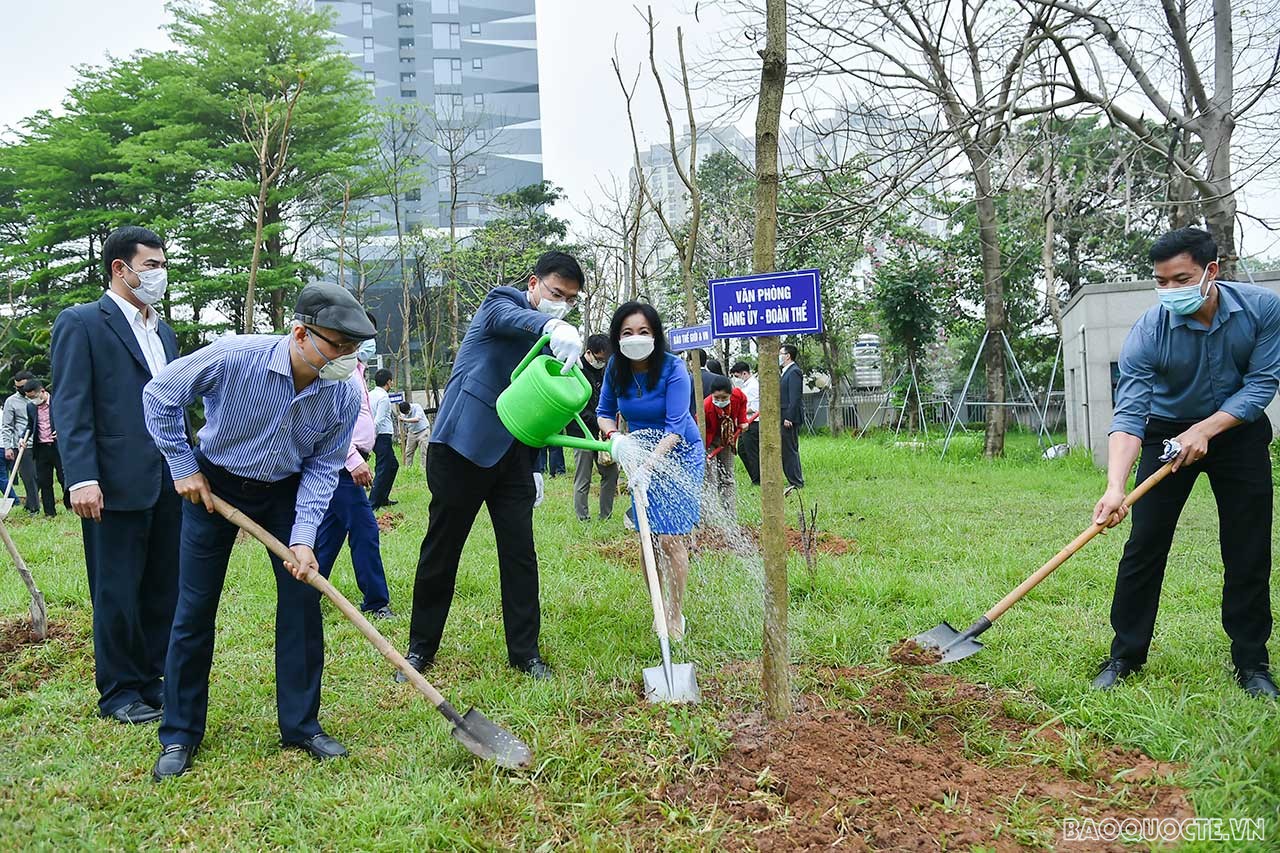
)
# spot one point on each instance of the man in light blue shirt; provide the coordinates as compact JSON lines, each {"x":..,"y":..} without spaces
{"x":1199,"y":367}
{"x":280,"y":414}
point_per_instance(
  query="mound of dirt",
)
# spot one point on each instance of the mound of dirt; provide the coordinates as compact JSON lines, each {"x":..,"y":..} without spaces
{"x":16,"y":637}
{"x":911,"y":653}
{"x":715,"y":539}
{"x":852,"y":779}
{"x":388,"y":521}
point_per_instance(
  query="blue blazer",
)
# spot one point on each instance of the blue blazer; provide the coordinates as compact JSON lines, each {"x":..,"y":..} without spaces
{"x":98,"y":375}
{"x":499,"y":336}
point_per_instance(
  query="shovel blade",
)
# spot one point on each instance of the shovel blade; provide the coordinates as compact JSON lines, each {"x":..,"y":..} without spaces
{"x":485,"y":739}
{"x":6,"y":505}
{"x":948,"y":642}
{"x":683,"y":686}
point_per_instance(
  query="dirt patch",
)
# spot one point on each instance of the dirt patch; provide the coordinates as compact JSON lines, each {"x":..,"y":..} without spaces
{"x":899,"y":770}
{"x":717,"y":539}
{"x":388,"y":521}
{"x":15,"y":638}
{"x":910,"y":653}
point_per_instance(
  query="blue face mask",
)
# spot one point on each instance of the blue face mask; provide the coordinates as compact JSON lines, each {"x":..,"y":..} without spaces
{"x":1184,"y":300}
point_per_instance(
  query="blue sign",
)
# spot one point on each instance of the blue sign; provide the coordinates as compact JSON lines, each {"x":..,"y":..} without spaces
{"x":395,"y":397}
{"x":771,"y":303}
{"x":690,"y":337}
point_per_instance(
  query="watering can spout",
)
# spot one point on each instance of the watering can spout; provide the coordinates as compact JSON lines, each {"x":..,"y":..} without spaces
{"x":543,"y":398}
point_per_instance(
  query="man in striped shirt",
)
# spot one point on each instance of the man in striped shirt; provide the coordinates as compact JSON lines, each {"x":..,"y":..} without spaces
{"x":280,"y":414}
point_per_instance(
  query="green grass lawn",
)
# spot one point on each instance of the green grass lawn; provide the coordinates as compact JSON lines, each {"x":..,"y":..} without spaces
{"x":934,"y":540}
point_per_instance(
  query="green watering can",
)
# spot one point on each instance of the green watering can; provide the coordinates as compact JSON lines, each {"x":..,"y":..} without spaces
{"x":543,"y":398}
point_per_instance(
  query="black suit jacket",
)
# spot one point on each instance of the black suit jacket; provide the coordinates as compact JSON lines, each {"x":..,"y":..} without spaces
{"x":99,"y":372}
{"x":32,"y":427}
{"x":792,"y":395}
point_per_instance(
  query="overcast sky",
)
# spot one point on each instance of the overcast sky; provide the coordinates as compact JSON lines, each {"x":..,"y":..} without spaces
{"x":584,"y":130}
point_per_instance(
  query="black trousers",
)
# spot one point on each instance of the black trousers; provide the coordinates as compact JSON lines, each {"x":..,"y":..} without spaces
{"x":749,"y":451}
{"x":207,"y":539}
{"x":132,"y":560}
{"x":48,"y":463}
{"x":458,"y":488}
{"x":791,"y":456}
{"x":1239,"y":469}
{"x":26,"y":474}
{"x":385,"y":469}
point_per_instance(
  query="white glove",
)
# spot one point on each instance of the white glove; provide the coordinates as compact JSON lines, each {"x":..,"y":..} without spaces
{"x":566,"y":343}
{"x":538,"y":490}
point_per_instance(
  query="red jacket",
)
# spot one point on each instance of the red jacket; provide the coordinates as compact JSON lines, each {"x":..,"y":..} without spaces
{"x":723,"y":423}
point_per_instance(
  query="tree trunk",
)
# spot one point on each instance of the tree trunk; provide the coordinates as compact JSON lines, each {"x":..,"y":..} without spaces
{"x":274,"y":248}
{"x":831,"y":355}
{"x":775,"y":676}
{"x":993,"y":292}
{"x":249,"y":324}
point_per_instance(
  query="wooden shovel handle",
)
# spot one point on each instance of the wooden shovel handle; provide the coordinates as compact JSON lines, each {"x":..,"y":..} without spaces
{"x":1076,"y":544}
{"x":17,"y":464}
{"x":650,"y":565}
{"x":349,"y":610}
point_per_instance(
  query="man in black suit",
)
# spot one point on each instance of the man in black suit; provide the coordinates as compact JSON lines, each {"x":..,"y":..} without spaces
{"x":103,"y":353}
{"x":792,"y":400}
{"x":41,"y":441}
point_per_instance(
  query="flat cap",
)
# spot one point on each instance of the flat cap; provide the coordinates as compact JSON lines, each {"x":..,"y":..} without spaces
{"x":332,"y":307}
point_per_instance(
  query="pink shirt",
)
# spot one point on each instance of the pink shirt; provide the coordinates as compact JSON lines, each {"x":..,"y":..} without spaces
{"x":363,"y":436}
{"x":44,"y":428}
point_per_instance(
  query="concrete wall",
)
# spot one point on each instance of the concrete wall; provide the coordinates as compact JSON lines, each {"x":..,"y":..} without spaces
{"x":1094,"y":326}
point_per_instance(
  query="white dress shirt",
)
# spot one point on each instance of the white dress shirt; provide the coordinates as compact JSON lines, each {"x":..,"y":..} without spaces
{"x":146,"y":330}
{"x":752,"y":389}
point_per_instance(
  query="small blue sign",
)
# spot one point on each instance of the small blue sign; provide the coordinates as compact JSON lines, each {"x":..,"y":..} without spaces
{"x":771,"y":303}
{"x":396,"y":397}
{"x":690,"y":337}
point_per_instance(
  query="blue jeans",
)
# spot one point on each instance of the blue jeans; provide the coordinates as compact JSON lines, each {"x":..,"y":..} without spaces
{"x":550,"y":457}
{"x":350,"y":517}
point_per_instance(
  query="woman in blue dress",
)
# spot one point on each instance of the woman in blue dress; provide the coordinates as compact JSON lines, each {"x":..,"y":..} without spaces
{"x":650,"y":388}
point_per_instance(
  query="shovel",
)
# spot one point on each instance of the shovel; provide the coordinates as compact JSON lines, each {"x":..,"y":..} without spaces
{"x":481,"y":737}
{"x":948,"y":644}
{"x":6,"y":503}
{"x":668,"y":682}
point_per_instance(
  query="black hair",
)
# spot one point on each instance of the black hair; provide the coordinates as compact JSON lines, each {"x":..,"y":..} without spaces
{"x":791,"y":351}
{"x":740,"y":367}
{"x":405,"y":408}
{"x":598,"y":343}
{"x":122,"y":245}
{"x":561,"y":264}
{"x":382,"y":377}
{"x":1195,"y":242}
{"x":23,"y":376}
{"x":715,"y":366}
{"x":621,"y":364}
{"x":32,"y":385}
{"x":701,"y":356}
{"x":719,"y":382}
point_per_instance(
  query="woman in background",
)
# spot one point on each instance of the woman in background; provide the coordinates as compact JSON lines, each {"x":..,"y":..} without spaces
{"x":650,"y":388}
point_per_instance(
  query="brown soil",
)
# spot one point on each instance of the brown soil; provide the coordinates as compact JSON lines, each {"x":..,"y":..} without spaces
{"x":388,"y":521}
{"x":851,"y":778}
{"x":16,"y":637}
{"x":714,"y":538}
{"x":911,"y":653}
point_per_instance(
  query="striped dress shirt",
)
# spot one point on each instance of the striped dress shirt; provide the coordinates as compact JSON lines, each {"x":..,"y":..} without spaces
{"x":257,"y":427}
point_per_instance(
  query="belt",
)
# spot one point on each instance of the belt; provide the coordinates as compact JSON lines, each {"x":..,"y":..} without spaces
{"x":244,"y":484}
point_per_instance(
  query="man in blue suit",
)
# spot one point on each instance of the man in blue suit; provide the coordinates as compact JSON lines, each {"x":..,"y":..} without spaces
{"x":473,"y":460}
{"x":103,"y":353}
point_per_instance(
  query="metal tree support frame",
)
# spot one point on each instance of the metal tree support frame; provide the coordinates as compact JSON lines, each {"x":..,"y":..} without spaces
{"x":887,"y":404}
{"x":1042,"y":434}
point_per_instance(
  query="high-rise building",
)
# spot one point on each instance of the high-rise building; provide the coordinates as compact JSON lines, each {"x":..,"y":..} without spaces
{"x":474,"y":65}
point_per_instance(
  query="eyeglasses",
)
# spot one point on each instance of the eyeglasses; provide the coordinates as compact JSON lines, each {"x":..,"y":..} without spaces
{"x":555,"y":294}
{"x":345,"y":347}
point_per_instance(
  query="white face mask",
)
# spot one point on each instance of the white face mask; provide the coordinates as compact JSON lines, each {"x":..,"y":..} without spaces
{"x":597,"y":363}
{"x":782,"y":361}
{"x":557,"y":308}
{"x":367,"y":350}
{"x":636,"y":347}
{"x":151,"y":284}
{"x":739,"y":383}
{"x":721,"y":404}
{"x":339,"y":368}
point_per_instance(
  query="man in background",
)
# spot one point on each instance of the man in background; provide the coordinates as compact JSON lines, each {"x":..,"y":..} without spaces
{"x":42,"y":439}
{"x":417,"y":429}
{"x":593,"y":364}
{"x":792,"y":403}
{"x":384,"y":445}
{"x":12,"y":428}
{"x":749,"y":442}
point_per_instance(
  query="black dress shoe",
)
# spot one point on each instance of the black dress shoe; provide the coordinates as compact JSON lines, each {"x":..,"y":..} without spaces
{"x":135,"y":713}
{"x":536,"y":668}
{"x":419,"y":662}
{"x":1257,"y":683}
{"x":321,"y":747}
{"x":1112,"y":671}
{"x":175,"y":759}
